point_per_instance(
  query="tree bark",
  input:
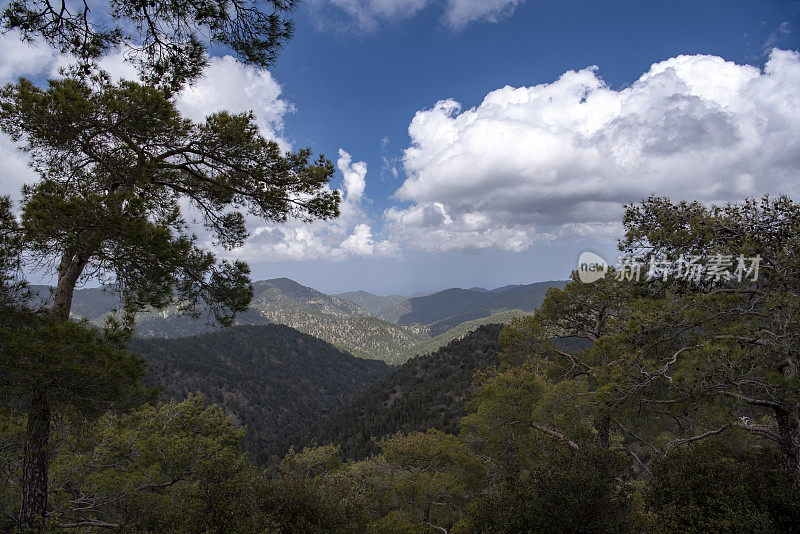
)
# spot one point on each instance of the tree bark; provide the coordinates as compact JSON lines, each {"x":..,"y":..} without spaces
{"x":789,"y":430}
{"x":33,"y":510}
{"x":34,"y":465}
{"x":69,"y":270}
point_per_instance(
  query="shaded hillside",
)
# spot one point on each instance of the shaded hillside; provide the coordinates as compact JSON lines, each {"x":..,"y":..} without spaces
{"x":461,"y":331}
{"x":273,"y":379}
{"x":446,"y":309}
{"x":390,"y":307}
{"x":426,"y":392}
{"x":366,"y":337}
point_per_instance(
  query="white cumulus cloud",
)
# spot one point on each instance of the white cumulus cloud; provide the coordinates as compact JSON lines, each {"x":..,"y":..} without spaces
{"x":559,"y":159}
{"x":367,"y":15}
{"x":231,"y":86}
{"x":349,"y":235}
{"x":226,"y":85}
{"x":19,"y":58}
{"x":461,"y":13}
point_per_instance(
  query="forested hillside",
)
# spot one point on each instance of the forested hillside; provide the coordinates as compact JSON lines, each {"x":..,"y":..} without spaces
{"x":336,"y":320}
{"x":363,"y":336}
{"x":360,"y":323}
{"x":460,"y":331}
{"x":428,"y":391}
{"x":389,"y":307}
{"x":273,"y":379}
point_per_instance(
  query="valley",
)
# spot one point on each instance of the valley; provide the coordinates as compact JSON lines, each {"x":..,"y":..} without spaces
{"x":391,"y":328}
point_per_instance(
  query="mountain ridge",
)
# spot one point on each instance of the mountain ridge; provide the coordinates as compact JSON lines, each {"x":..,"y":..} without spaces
{"x":388,"y":328}
{"x":446,"y":309}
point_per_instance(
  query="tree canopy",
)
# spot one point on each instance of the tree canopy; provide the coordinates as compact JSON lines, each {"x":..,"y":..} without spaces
{"x":122,"y":176}
{"x":166,"y":39}
{"x":115,"y":163}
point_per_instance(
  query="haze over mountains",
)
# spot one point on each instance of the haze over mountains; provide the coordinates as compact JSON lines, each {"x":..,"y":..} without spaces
{"x":388,"y":328}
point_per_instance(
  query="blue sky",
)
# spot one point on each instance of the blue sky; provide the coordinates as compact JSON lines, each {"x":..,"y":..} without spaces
{"x":510,"y":187}
{"x":353,"y":87}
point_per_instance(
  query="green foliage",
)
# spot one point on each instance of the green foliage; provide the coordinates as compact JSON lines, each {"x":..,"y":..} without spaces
{"x":165,"y":39}
{"x":78,"y":368}
{"x":115,"y":161}
{"x":432,"y":476}
{"x":312,"y":494}
{"x":560,"y":490}
{"x":715,"y":486}
{"x":12,"y":436}
{"x":10,"y":248}
{"x":704,"y":357}
{"x":175,"y":467}
{"x":398,"y":522}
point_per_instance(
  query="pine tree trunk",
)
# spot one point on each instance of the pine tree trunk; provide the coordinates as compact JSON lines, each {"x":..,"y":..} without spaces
{"x":34,"y":466}
{"x":789,"y":429}
{"x":69,"y":271}
{"x":33,"y":510}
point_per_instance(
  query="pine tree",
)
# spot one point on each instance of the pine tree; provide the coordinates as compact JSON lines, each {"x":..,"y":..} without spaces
{"x":166,"y":39}
{"x":116,"y":162}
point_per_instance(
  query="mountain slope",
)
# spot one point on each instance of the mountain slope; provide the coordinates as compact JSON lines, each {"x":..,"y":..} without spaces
{"x":461,"y":331}
{"x":359,"y":322}
{"x":283,"y":294}
{"x":273,"y":379}
{"x":426,"y":392}
{"x":390,"y":307}
{"x":363,"y":336}
{"x":282,"y":301}
{"x":451,"y":307}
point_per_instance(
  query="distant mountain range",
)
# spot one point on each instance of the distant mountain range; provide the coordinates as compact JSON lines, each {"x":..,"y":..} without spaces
{"x":388,"y":328}
{"x":276,"y":381}
{"x":446,"y":309}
